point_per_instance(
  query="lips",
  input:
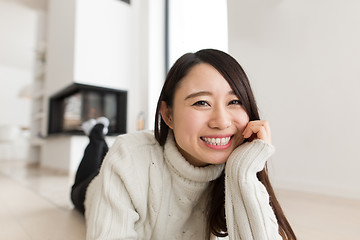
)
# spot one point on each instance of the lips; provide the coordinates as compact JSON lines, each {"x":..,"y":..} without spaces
{"x":217,"y":142}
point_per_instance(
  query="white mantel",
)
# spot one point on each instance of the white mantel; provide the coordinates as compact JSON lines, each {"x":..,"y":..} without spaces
{"x":64,"y":153}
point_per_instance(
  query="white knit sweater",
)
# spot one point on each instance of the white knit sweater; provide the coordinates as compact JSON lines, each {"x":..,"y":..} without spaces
{"x":145,"y":191}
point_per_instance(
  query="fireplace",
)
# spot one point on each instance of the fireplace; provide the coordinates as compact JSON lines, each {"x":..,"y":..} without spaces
{"x":77,"y":103}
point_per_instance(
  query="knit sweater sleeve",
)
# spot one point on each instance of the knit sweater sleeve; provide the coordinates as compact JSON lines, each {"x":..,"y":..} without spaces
{"x":112,"y":210}
{"x":248,"y":212}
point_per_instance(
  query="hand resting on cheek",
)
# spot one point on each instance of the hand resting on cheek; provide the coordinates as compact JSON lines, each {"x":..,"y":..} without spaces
{"x":258,"y":129}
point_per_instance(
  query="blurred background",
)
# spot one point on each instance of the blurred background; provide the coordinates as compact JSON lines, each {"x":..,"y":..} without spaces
{"x":302,"y":59}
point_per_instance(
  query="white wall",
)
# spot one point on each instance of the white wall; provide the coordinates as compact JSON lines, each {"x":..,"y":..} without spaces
{"x":60,"y":45}
{"x":196,"y":25}
{"x":156,"y":57}
{"x":18,"y":28}
{"x":302,"y":58}
{"x":17,"y":48}
{"x":14,"y":110}
{"x":102,"y":43}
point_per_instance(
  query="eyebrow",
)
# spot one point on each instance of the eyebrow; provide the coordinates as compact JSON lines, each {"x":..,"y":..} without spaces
{"x":204,"y":93}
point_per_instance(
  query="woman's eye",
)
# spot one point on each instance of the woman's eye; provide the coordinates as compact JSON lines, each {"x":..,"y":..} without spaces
{"x":201,"y":103}
{"x":235,"y":102}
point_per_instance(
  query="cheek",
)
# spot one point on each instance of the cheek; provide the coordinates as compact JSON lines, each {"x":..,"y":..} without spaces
{"x":241,"y":121}
{"x":188,"y":121}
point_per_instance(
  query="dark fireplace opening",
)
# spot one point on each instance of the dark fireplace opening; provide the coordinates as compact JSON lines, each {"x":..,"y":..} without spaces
{"x":77,"y":103}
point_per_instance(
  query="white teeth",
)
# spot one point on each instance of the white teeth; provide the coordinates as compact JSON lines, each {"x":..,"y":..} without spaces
{"x":217,"y":141}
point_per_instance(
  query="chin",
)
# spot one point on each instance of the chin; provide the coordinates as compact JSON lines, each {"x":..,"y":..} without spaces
{"x":219,"y":161}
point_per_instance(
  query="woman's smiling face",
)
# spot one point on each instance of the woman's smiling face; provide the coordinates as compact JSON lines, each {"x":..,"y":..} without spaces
{"x":206,"y":117}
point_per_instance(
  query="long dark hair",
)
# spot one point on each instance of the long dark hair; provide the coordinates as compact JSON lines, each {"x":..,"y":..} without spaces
{"x":233,"y":73}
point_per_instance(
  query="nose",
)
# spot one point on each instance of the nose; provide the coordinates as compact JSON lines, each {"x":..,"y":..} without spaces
{"x":220,"y":119}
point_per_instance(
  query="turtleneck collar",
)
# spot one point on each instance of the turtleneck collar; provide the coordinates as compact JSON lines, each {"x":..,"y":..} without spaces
{"x":184,"y":169}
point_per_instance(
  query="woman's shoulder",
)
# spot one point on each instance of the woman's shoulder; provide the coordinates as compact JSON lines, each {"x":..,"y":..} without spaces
{"x":134,"y":157}
{"x":135,"y":149}
{"x":136,"y":140}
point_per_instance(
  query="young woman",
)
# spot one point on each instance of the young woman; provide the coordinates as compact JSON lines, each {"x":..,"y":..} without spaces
{"x":201,"y":174}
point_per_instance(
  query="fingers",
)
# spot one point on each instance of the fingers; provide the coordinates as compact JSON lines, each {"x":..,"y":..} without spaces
{"x":259,"y":129}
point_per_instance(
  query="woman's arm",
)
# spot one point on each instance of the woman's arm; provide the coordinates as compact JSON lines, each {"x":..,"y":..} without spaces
{"x":109,"y":211}
{"x":248,"y":212}
{"x":115,"y":198}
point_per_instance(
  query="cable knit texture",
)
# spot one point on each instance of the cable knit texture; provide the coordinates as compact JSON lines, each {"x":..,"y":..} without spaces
{"x":145,"y":191}
{"x":248,"y":212}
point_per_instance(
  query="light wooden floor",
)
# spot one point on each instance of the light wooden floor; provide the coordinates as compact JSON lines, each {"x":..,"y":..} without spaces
{"x":35,"y":204}
{"x":320,"y":217}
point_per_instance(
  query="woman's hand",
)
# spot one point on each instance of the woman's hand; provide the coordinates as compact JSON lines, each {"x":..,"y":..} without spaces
{"x":259,"y":129}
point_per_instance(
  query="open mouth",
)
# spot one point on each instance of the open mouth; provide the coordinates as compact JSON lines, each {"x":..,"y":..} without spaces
{"x":217,"y":141}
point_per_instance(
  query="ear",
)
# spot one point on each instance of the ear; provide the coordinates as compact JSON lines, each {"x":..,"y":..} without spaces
{"x":166,"y":114}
